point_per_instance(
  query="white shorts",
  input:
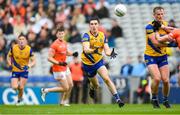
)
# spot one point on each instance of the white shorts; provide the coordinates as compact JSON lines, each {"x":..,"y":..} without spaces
{"x":62,"y":74}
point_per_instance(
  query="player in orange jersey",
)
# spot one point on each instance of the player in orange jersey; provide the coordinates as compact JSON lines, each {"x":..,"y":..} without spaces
{"x":57,"y":56}
{"x":20,"y":58}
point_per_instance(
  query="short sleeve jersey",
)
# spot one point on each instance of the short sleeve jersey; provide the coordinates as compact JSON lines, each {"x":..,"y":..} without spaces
{"x":60,"y":51}
{"x":95,"y":42}
{"x":151,"y":49}
{"x":20,"y":57}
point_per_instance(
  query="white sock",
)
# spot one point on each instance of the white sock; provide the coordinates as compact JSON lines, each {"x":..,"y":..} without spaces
{"x":46,"y":90}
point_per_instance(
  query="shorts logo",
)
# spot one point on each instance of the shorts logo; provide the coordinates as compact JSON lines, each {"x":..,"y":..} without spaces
{"x":151,"y":60}
{"x":164,"y":61}
{"x":146,"y":61}
{"x":13,"y":75}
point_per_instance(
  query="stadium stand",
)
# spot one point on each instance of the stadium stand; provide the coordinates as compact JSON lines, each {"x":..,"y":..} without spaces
{"x":139,"y":13}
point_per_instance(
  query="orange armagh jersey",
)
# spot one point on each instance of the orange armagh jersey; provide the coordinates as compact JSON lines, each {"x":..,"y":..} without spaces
{"x":175,"y":34}
{"x":60,"y":49}
{"x":20,"y":57}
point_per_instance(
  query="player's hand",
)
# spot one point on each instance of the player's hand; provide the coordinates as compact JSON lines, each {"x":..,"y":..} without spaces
{"x":62,"y":64}
{"x":113,"y":54}
{"x":156,"y":25}
{"x":75,"y":54}
{"x":25,"y":68}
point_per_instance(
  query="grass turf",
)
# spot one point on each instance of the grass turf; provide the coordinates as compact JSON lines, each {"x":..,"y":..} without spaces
{"x":140,"y":109}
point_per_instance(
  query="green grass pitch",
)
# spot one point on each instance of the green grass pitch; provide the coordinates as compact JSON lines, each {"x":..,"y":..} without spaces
{"x":95,"y":109}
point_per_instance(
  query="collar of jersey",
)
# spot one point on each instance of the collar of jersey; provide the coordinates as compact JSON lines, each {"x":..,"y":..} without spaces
{"x":93,"y":35}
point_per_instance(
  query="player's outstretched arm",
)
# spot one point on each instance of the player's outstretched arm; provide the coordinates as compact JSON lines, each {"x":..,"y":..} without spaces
{"x":109,"y":52}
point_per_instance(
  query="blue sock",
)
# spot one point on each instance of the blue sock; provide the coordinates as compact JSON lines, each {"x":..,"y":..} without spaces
{"x":165,"y":98}
{"x":117,"y":98}
{"x":154,"y":96}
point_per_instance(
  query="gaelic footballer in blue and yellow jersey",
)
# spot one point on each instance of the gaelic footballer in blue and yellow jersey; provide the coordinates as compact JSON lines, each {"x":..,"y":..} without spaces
{"x":95,"y":42}
{"x":151,"y":49}
{"x":20,"y":57}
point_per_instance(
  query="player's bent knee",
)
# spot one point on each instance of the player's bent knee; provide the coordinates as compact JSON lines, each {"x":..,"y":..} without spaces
{"x":166,"y":81}
{"x":21,"y":88}
{"x":15,"y":87}
{"x":66,"y":88}
{"x":71,"y":86}
{"x":157,"y":80}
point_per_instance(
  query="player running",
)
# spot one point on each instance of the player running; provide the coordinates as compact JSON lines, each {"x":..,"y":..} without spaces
{"x":57,"y":56}
{"x":20,"y":57}
{"x":94,"y":42}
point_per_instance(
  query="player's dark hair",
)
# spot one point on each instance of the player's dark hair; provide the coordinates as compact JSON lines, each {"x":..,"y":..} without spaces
{"x":157,"y":8}
{"x":60,"y":29}
{"x":22,"y":35}
{"x":94,"y":18}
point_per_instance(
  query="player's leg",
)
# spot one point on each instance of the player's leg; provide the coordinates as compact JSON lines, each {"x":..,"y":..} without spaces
{"x":61,"y":78}
{"x":166,"y":87}
{"x":63,"y":96}
{"x":63,"y":87}
{"x":156,"y":77}
{"x":70,"y":82}
{"x":90,"y":73}
{"x":66,"y":95}
{"x":152,"y":65}
{"x":103,"y":72}
{"x":22,"y":84}
{"x":14,"y":83}
{"x":94,"y":85}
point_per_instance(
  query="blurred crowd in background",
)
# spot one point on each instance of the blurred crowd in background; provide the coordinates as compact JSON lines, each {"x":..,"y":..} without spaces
{"x":38,"y":20}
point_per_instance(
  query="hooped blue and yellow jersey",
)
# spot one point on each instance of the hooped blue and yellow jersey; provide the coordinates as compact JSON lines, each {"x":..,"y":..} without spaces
{"x":95,"y":42}
{"x":20,"y":57}
{"x":151,"y":49}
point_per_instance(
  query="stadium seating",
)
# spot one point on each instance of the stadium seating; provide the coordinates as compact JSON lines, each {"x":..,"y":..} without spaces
{"x":133,"y":42}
